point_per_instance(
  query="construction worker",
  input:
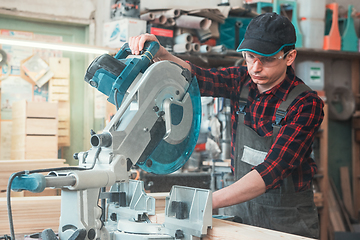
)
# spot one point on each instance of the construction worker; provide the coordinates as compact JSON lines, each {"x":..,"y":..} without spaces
{"x":274,"y":118}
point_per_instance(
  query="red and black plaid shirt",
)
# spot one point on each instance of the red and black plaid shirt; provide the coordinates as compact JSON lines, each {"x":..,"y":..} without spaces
{"x":290,"y":153}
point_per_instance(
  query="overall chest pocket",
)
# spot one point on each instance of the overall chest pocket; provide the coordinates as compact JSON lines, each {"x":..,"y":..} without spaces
{"x":252,"y":156}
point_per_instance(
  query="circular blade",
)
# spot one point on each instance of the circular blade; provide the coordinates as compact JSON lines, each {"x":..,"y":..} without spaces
{"x":167,"y":158}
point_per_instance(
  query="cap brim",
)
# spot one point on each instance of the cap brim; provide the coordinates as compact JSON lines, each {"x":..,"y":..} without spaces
{"x":259,"y":47}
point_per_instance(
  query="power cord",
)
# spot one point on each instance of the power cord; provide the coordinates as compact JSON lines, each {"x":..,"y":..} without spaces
{"x":6,"y":237}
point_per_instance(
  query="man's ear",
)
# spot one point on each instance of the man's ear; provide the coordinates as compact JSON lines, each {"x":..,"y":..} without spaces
{"x":290,"y":58}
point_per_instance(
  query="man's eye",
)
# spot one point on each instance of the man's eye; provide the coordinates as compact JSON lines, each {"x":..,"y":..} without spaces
{"x":250,"y":56}
{"x":267,"y":59}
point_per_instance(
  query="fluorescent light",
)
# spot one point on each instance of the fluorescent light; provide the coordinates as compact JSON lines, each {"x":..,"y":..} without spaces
{"x":53,"y":46}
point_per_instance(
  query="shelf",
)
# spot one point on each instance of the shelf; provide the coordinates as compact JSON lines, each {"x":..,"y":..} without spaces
{"x":227,"y":60}
{"x":327,"y":53}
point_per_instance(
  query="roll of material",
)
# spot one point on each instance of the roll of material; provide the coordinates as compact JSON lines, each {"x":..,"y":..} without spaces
{"x":159,"y":19}
{"x":205,"y":48}
{"x":195,"y":47}
{"x":170,"y":22}
{"x":183,"y":38}
{"x":171,"y":13}
{"x":147,"y":16}
{"x":193,"y":22}
{"x":3,"y":57}
{"x":219,"y":49}
{"x":203,"y":35}
{"x":341,"y":102}
{"x":182,"y":47}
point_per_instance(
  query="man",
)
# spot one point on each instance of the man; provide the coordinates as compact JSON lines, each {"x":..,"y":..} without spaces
{"x":274,"y":118}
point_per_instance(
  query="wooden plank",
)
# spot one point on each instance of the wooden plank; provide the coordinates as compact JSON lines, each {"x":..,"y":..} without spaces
{"x":336,"y":218}
{"x":41,"y":126}
{"x":340,"y":204}
{"x":60,"y":89}
{"x":60,"y":67}
{"x":355,"y":81}
{"x":31,"y":214}
{"x":64,"y":141}
{"x":29,"y":164}
{"x":64,"y":124}
{"x":64,"y":132}
{"x":346,"y":190}
{"x":17,"y":146}
{"x":41,"y":143}
{"x":19,"y":109}
{"x":41,"y":110}
{"x":60,"y":81}
{"x":59,"y":97}
{"x":324,"y":181}
{"x":41,"y":154}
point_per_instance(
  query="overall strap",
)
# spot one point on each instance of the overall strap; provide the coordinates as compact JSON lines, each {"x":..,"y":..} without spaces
{"x":242,"y":103}
{"x":282,"y":110}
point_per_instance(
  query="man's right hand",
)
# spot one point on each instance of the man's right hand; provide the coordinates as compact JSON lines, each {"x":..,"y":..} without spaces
{"x":136,"y":45}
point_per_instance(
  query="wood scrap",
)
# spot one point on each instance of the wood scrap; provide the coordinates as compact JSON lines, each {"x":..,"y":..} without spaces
{"x":346,"y":191}
{"x":344,"y":213}
{"x":336,"y":219}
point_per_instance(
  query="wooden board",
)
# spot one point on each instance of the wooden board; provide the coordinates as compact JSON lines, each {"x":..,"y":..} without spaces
{"x":41,"y":110}
{"x":324,"y":181}
{"x":336,"y":218}
{"x":346,"y":190}
{"x":41,"y":126}
{"x":35,"y":129}
{"x":355,"y":81}
{"x":31,"y":214}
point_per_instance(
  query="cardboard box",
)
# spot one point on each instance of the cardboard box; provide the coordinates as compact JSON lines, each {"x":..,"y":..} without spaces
{"x":118,"y":32}
{"x":165,"y":35}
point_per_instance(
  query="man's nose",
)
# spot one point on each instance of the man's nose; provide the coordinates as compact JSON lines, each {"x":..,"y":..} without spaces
{"x":257,"y":65}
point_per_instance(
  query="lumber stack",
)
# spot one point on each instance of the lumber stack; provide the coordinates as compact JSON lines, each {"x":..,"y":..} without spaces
{"x":35,"y":130}
{"x":31,"y":214}
{"x":59,"y":92}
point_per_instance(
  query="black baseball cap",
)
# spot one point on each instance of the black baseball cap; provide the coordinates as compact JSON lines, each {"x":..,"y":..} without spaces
{"x":267,"y":34}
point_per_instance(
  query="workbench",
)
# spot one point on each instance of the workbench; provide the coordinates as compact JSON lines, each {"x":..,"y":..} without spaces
{"x":221,"y":230}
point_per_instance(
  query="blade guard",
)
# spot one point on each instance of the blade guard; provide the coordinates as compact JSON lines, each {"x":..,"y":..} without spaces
{"x":168,"y":158}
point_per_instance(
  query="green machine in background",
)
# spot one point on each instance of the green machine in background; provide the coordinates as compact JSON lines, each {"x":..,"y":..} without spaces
{"x":232,"y":31}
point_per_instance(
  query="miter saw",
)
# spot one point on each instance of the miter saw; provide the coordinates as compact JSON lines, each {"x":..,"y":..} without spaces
{"x":156,"y":128}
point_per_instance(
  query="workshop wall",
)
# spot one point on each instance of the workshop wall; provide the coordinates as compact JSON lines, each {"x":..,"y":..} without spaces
{"x":65,"y":8}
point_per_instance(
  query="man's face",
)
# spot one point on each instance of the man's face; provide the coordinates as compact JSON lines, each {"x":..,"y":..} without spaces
{"x":267,"y":72}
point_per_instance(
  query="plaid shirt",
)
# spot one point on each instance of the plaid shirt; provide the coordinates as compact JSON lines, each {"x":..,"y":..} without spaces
{"x":290,"y":153}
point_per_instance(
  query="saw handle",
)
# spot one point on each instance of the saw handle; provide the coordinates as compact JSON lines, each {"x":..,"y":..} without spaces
{"x":149,"y":51}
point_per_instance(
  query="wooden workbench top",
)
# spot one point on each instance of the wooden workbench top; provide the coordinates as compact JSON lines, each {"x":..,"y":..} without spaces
{"x":224,"y":230}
